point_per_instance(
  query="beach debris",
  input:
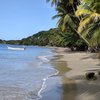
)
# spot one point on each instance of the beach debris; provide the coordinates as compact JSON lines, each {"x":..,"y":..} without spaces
{"x":90,"y":76}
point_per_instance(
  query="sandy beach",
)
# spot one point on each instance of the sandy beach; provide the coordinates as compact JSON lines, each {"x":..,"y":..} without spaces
{"x":75,"y":85}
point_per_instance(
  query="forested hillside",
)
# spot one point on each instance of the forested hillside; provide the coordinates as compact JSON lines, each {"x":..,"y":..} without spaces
{"x":53,"y":37}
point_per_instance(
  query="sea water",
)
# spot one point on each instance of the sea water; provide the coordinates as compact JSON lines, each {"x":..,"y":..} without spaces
{"x":23,"y":74}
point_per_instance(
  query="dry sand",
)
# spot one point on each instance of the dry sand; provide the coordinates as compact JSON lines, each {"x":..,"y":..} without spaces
{"x":80,"y":63}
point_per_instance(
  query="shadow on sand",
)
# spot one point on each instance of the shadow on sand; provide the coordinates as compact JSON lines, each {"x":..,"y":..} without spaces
{"x":68,"y":85}
{"x":90,"y":87}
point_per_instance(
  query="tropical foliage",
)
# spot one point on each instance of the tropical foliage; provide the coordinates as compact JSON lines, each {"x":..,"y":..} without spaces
{"x":2,"y":41}
{"x":81,"y":17}
{"x":78,"y":26}
{"x":89,"y":26}
{"x":52,"y":37}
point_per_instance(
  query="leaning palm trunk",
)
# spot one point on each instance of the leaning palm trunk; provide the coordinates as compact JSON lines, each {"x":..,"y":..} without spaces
{"x":89,"y":28}
{"x":75,"y":31}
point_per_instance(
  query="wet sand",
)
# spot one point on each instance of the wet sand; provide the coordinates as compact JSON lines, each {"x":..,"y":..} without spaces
{"x":76,"y":87}
{"x":68,"y":85}
{"x":59,"y":87}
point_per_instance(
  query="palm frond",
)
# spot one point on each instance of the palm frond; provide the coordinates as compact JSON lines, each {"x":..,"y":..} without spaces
{"x":60,"y":22}
{"x":53,"y":2}
{"x":66,"y":18}
{"x":57,"y":16}
{"x":82,"y":12}
{"x":83,"y":25}
{"x":96,"y":7}
{"x":93,"y":18}
{"x":60,"y":9}
{"x":95,"y":40}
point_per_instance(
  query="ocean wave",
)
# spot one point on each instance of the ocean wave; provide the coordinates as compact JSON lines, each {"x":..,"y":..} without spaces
{"x":44,"y":83}
{"x":43,"y":58}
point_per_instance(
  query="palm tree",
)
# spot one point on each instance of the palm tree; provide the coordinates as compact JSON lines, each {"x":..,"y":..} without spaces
{"x":66,"y":12}
{"x":67,"y":19}
{"x":63,"y":15}
{"x":89,"y":26}
{"x":72,"y":3}
{"x":53,"y":2}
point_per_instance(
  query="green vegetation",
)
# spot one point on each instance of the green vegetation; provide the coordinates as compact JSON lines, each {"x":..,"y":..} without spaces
{"x":89,"y":25}
{"x":53,"y":37}
{"x":78,"y":26}
{"x":81,"y":17}
{"x":2,"y":41}
{"x":12,"y":42}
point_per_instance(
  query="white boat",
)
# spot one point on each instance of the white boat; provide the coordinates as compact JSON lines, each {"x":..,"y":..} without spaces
{"x":15,"y":48}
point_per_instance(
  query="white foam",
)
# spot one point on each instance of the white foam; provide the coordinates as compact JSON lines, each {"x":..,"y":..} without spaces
{"x":44,"y":84}
{"x":44,"y":58}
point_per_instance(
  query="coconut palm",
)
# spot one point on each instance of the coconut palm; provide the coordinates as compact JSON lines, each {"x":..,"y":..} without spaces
{"x":72,"y":3}
{"x":66,"y":14}
{"x":89,"y":25}
{"x":53,"y":2}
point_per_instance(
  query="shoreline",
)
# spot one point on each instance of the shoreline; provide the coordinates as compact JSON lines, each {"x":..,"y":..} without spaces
{"x":59,"y":87}
{"x":80,"y":63}
{"x":68,"y":85}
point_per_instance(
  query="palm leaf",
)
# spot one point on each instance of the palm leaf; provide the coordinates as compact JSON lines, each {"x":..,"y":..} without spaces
{"x":82,"y":12}
{"x":94,"y":17}
{"x":60,"y":22}
{"x":60,"y":9}
{"x":96,"y":7}
{"x":95,"y":40}
{"x":66,"y":18}
{"x":57,"y":16}
{"x":53,"y":2}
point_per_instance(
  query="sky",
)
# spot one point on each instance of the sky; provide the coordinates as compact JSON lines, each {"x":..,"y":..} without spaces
{"x":23,"y":18}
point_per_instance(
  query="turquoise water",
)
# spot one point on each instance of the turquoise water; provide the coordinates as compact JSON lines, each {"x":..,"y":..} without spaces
{"x":23,"y":73}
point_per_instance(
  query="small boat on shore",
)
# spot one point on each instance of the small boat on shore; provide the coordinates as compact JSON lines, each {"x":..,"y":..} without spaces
{"x":15,"y":48}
